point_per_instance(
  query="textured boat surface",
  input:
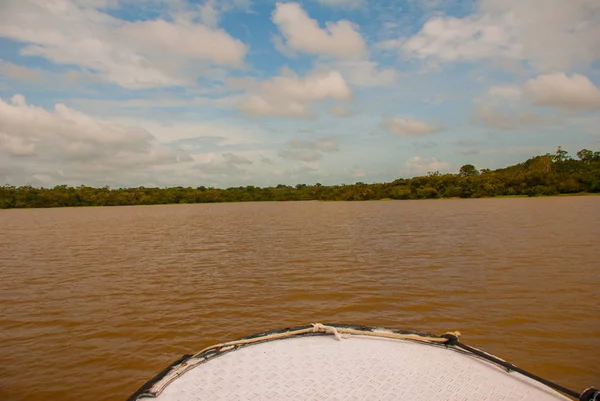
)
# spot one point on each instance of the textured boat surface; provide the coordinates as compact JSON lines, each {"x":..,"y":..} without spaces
{"x":355,"y":368}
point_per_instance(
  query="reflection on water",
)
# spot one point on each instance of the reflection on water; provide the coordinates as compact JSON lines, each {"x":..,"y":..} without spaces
{"x":95,"y":301}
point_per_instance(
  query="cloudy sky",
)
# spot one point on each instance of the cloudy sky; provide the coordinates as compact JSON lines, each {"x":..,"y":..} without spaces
{"x":258,"y":92}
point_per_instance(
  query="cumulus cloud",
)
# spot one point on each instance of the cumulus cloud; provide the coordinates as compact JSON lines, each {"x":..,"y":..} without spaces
{"x":362,"y":72}
{"x":228,"y":165}
{"x":209,"y":14}
{"x":17,"y":78}
{"x":509,"y":107}
{"x":323,"y":145}
{"x":467,"y":142}
{"x":309,"y":151}
{"x":425,"y":144}
{"x":406,"y":126}
{"x":303,"y":34}
{"x":342,"y":3}
{"x":470,"y":38}
{"x":511,"y":93}
{"x":138,"y":54}
{"x":305,"y":155}
{"x":467,"y":152}
{"x":194,"y":134}
{"x":417,"y":165}
{"x":289,"y":95}
{"x":499,"y":118}
{"x":18,"y":73}
{"x":236,"y":159}
{"x":559,"y":90}
{"x":337,"y":110}
{"x":550,"y":34}
{"x":67,"y":145}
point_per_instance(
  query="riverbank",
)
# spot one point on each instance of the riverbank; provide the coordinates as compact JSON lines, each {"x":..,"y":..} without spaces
{"x":309,"y":200}
{"x":539,"y":176}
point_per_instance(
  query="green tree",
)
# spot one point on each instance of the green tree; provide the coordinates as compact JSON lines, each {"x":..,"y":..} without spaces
{"x":468,"y":170}
{"x":560,"y":155}
{"x":399,"y":193}
{"x":588,"y":156}
{"x":427,"y":193}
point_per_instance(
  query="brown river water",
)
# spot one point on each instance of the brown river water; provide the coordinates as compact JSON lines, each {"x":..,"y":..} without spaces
{"x":95,"y":301}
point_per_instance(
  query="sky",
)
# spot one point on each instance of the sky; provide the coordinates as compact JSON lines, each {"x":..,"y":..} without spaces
{"x":223,"y":93}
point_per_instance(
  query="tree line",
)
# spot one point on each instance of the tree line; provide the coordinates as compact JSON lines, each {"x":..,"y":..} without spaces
{"x":549,"y":174}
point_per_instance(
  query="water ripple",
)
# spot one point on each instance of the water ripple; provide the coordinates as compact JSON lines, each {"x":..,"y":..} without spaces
{"x":95,"y":301}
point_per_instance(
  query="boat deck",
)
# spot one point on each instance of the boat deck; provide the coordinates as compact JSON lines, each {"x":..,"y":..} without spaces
{"x":357,"y":368}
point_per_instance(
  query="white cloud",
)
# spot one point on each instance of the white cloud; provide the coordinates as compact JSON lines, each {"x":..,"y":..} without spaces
{"x":65,"y":146}
{"x":511,"y":93}
{"x":390,"y":44}
{"x":17,"y":77}
{"x":302,"y":34}
{"x":209,"y":14}
{"x":309,"y":151}
{"x":15,"y":146}
{"x":228,"y":165}
{"x":467,"y":142}
{"x":469,"y":38}
{"x":139,"y":54}
{"x":18,"y":73}
{"x":509,"y":107}
{"x":337,"y":110}
{"x":323,"y":145}
{"x":361,"y":72}
{"x":266,"y":160}
{"x":68,"y":145}
{"x":422,"y":165}
{"x":235,"y":159}
{"x":467,"y":152}
{"x":358,"y":173}
{"x":550,"y":34}
{"x":190,"y":135}
{"x":139,"y":103}
{"x":305,"y":155}
{"x":289,"y":95}
{"x":185,"y":39}
{"x":497,"y":118}
{"x":406,"y":126}
{"x":98,"y":3}
{"x":342,"y":3}
{"x":562,"y":91}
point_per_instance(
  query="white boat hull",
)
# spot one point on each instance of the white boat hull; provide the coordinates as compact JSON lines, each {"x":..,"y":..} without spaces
{"x":317,"y":367}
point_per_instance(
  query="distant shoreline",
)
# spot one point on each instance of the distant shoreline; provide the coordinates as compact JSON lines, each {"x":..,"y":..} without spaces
{"x":540,"y":176}
{"x":582,"y":194}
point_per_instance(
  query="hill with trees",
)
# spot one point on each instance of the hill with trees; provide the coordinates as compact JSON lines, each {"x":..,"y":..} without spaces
{"x":550,"y":174}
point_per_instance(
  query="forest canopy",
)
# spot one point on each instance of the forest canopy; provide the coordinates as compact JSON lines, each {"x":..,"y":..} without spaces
{"x":549,"y":174}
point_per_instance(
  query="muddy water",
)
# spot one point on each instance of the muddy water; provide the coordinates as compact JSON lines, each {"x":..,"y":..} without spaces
{"x":95,"y":301}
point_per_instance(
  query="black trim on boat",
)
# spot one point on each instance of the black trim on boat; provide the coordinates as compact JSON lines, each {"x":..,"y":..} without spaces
{"x":148,"y":385}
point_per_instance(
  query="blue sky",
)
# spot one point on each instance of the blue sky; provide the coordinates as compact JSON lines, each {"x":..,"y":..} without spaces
{"x":258,"y":92}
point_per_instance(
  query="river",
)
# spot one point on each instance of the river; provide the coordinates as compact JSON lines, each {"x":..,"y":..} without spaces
{"x":95,"y":301}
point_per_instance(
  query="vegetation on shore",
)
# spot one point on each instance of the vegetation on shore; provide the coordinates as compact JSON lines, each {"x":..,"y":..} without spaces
{"x":550,"y":174}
